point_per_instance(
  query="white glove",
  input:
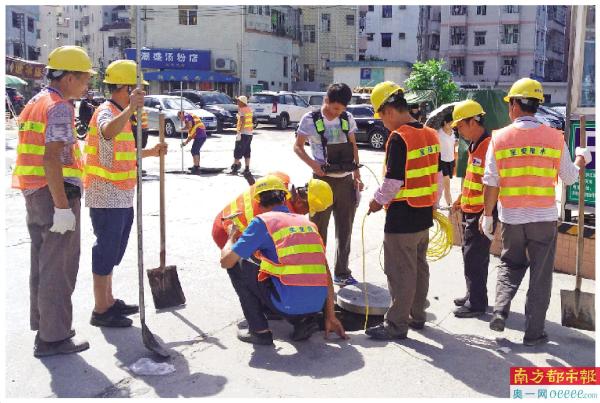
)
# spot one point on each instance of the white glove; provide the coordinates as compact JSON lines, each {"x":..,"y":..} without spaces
{"x":64,"y":220}
{"x":487,"y":225}
{"x":585,"y":153}
{"x":238,"y":137}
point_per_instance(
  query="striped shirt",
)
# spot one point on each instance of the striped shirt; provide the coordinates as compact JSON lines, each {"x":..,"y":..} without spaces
{"x":568,"y":173}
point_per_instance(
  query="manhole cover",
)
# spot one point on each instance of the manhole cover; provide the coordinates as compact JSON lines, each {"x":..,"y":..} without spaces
{"x":352,"y":298}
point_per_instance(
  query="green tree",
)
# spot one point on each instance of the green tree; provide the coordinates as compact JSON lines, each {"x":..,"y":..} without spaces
{"x":431,"y":75}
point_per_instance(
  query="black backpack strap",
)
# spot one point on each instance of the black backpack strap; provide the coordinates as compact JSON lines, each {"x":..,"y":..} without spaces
{"x":317,"y":118}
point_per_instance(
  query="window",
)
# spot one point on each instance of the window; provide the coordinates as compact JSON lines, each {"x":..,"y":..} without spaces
{"x":401,"y":7}
{"x":350,"y":20}
{"x":479,"y":38}
{"x":78,"y":43}
{"x":315,"y":100}
{"x":76,"y":24}
{"x":458,"y":10}
{"x":458,"y":35}
{"x":402,"y":35}
{"x":478,"y":68}
{"x":481,"y":10}
{"x":370,"y":8}
{"x":289,"y":100}
{"x":33,"y":53}
{"x":300,"y":101}
{"x":349,"y":57}
{"x":370,"y":36}
{"x":16,"y":23}
{"x":17,"y":50}
{"x":113,"y":42}
{"x":510,"y":34}
{"x":309,"y":33}
{"x":259,"y":10}
{"x":30,"y":24}
{"x":267,"y":10}
{"x":386,"y":40}
{"x":509,"y":66}
{"x":309,"y":73}
{"x":510,"y":9}
{"x":285,"y":66}
{"x":37,"y":34}
{"x":251,"y":10}
{"x":386,"y":11}
{"x":457,"y":66}
{"x":434,"y":43}
{"x":325,"y":22}
{"x":188,"y":15}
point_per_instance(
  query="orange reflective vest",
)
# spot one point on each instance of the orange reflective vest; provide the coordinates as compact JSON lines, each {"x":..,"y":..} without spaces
{"x":471,"y":200}
{"x":29,"y":172}
{"x":300,"y":251}
{"x":528,"y":163}
{"x":421,"y":169}
{"x":144,"y":119}
{"x":122,"y":170}
{"x":246,"y":113}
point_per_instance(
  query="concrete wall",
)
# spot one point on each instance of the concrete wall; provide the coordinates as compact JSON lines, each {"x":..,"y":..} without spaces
{"x":403,"y":20}
{"x":351,"y":75}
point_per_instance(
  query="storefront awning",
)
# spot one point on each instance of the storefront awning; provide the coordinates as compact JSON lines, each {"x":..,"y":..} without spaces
{"x":189,"y":75}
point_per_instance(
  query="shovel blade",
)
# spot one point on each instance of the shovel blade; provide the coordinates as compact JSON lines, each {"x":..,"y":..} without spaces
{"x":165,"y":286}
{"x":578,"y":309}
{"x":151,"y":344}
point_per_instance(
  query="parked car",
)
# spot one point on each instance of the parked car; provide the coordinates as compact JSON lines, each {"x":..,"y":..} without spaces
{"x":360,"y":99}
{"x":170,"y":105}
{"x":552,"y":117}
{"x":279,"y":108}
{"x":369,"y":130}
{"x":16,"y":98}
{"x":314,"y":98}
{"x":217,"y":103}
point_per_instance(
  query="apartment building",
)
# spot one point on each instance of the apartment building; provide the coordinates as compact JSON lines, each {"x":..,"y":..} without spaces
{"x":428,"y":34}
{"x":329,"y":34}
{"x":22,"y":30}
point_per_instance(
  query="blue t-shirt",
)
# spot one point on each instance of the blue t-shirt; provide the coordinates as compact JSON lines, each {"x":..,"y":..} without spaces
{"x":291,"y":300}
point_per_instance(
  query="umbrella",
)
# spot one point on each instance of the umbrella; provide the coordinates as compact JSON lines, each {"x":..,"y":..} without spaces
{"x":436,"y":117}
{"x":13,"y":80}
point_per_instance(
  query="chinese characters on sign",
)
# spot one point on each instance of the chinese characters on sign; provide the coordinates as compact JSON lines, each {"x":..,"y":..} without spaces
{"x":554,"y":382}
{"x":172,"y":58}
{"x":24,"y":68}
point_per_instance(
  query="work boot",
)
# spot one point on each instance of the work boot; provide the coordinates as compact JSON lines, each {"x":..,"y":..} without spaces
{"x":110,"y":318}
{"x":380,"y":332}
{"x":124,"y":309}
{"x":460,"y":301}
{"x":467,"y":312}
{"x":235,"y":168}
{"x":195,"y":170}
{"x":68,"y":346}
{"x":498,"y":322}
{"x":248,"y":336}
{"x":304,"y":329}
{"x":537,"y":341}
{"x":247,"y":171}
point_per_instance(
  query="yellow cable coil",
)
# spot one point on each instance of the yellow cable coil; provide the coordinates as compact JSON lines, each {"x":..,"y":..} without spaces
{"x":440,"y":237}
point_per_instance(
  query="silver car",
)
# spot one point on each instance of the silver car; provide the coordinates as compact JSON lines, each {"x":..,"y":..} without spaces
{"x":170,"y":105}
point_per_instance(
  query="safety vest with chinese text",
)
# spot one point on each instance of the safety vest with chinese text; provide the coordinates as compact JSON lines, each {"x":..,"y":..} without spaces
{"x":471,"y":200}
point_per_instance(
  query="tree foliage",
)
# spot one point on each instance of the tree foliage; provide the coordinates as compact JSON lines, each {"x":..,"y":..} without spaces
{"x":431,"y":75}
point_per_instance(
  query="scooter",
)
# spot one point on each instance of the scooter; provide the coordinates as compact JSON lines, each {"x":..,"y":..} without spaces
{"x":81,"y":128}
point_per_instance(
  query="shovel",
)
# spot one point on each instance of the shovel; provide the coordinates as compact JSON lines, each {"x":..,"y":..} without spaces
{"x":577,"y":307}
{"x":147,"y":337}
{"x":164,"y":282}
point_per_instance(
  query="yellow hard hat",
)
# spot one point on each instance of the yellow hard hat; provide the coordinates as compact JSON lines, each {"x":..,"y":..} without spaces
{"x":382,"y":92}
{"x":285,"y":178}
{"x":466,"y":109}
{"x":122,"y":72}
{"x":320,"y":196}
{"x":267,"y":183}
{"x":70,"y":58}
{"x":526,"y":88}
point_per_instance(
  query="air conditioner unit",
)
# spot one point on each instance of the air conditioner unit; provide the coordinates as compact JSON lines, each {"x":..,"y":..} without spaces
{"x":222,"y":64}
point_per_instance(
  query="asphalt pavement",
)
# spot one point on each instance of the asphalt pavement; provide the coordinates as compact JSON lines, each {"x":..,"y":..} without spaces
{"x":450,"y":358}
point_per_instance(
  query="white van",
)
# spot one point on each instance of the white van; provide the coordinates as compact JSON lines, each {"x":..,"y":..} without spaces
{"x":314,"y":98}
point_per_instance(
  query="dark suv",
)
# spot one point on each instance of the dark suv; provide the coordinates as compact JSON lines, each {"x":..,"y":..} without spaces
{"x":218,"y":103}
{"x":369,"y":130}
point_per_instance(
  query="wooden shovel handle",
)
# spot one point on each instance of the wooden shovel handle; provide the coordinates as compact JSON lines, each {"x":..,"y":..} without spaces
{"x":161,"y":139}
{"x":581,"y":218}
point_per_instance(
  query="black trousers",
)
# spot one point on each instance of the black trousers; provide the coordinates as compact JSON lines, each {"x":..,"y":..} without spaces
{"x":476,"y":257}
{"x":255,"y":296}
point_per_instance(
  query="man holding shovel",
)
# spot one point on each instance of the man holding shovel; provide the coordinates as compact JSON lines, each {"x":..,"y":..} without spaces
{"x":110,"y":179}
{"x":521,"y":168}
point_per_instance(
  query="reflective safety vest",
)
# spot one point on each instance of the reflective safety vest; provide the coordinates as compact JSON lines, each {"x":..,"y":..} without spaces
{"x":144,"y":119}
{"x":471,"y":200}
{"x":29,"y":172}
{"x":245,"y":112}
{"x":421,"y":169}
{"x":300,"y":251}
{"x":528,"y":163}
{"x":196,"y":124}
{"x":122,"y":171}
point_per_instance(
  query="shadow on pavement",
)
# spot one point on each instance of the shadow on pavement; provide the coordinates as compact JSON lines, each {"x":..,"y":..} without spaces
{"x":182,"y":383}
{"x":202,"y":337}
{"x":70,"y":372}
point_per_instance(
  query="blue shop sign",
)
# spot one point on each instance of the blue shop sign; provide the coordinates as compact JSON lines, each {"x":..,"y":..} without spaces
{"x":171,"y":58}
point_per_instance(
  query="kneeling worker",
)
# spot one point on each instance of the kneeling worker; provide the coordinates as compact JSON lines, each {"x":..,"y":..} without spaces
{"x":291,"y":277}
{"x":468,"y":120}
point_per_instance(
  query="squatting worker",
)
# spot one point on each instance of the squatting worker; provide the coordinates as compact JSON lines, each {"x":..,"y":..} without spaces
{"x":48,"y":170}
{"x":196,"y":133}
{"x":243,"y":139}
{"x":289,"y":273}
{"x":330,"y":132}
{"x":314,"y":197}
{"x":110,"y":180}
{"x":468,"y":120}
{"x":409,"y":190}
{"x":521,"y":169}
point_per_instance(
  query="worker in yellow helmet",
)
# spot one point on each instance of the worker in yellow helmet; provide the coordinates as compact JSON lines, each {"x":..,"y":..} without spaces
{"x":467,"y":118}
{"x":48,"y":170}
{"x":522,"y":165}
{"x":409,"y":189}
{"x":279,"y":262}
{"x":110,"y":180}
